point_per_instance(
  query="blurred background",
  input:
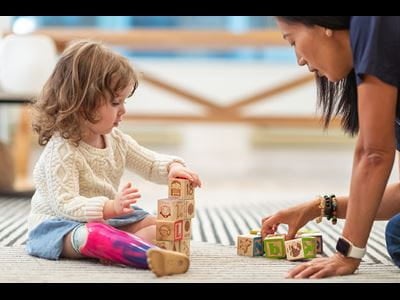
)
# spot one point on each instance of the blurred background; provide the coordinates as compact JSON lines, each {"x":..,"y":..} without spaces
{"x":223,"y":92}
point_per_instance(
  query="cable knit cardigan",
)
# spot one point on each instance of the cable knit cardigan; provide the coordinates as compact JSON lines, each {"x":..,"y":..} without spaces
{"x":74,"y":182}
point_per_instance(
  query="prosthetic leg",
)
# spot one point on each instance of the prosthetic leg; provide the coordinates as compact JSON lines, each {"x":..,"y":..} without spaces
{"x":105,"y":242}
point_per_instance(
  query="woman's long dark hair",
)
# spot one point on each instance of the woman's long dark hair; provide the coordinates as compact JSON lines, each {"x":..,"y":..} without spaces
{"x":334,"y":98}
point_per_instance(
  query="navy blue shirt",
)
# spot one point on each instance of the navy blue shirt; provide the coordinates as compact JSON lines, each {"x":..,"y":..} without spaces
{"x":375,"y":41}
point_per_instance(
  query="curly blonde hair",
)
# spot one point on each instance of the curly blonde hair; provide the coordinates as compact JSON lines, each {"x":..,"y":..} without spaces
{"x":86,"y":76}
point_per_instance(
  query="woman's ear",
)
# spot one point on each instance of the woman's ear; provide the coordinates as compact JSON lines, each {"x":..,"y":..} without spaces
{"x":328,"y":32}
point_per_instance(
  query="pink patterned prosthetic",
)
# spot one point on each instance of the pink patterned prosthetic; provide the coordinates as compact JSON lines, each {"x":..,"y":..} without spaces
{"x":106,"y":242}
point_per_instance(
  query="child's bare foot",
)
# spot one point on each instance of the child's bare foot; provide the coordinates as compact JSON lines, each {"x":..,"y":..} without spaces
{"x":164,"y":262}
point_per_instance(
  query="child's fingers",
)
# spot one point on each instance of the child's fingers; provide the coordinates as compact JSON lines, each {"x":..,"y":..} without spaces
{"x":191,"y":176}
{"x":132,"y":196}
{"x":126,"y":186}
{"x":196,"y":180}
{"x":129,"y":201}
{"x":128,"y":210}
{"x":130,"y":191}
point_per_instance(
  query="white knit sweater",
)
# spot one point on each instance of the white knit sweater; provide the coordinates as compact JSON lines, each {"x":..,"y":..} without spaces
{"x":75,"y":182}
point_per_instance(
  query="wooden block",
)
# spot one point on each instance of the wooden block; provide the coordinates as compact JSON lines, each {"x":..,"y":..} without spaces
{"x":300,"y":248}
{"x":318,"y":239}
{"x":170,"y":209}
{"x":187,"y":229}
{"x":274,"y":246}
{"x":180,"y":188}
{"x":255,"y":231}
{"x":185,"y":246}
{"x":249,"y":245}
{"x":189,"y":209}
{"x":177,"y":246}
{"x":169,"y":230}
{"x":167,"y":245}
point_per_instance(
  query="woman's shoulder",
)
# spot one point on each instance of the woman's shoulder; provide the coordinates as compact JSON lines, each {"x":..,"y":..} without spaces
{"x":384,"y":25}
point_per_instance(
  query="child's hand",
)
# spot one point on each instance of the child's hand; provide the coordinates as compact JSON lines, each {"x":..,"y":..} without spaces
{"x":176,"y":170}
{"x":124,"y":199}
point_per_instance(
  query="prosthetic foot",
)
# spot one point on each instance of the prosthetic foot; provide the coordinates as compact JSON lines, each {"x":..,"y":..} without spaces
{"x":163,"y":262}
{"x":107,"y":243}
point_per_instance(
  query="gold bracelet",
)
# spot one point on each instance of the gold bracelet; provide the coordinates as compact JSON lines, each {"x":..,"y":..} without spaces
{"x":322,"y":207}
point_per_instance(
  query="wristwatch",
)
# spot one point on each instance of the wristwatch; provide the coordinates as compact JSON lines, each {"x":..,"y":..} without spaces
{"x":347,"y":248}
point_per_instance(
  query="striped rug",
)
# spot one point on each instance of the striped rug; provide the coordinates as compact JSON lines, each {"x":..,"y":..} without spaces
{"x":219,"y":225}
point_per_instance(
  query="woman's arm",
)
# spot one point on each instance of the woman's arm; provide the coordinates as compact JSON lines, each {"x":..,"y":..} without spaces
{"x":373,"y":157}
{"x":389,"y":206}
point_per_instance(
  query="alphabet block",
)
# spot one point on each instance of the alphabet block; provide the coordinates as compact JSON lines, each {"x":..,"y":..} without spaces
{"x":180,"y":188}
{"x":169,"y":230}
{"x":249,"y":245}
{"x":170,"y":209}
{"x":300,"y":248}
{"x":274,"y":246}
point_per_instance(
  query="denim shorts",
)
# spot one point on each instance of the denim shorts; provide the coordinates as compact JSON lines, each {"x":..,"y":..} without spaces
{"x":46,"y":240}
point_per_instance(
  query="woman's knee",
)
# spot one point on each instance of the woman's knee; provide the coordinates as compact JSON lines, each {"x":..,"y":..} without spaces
{"x":392,"y":235}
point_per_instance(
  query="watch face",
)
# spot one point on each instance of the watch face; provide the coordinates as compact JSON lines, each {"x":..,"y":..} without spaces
{"x":343,"y":246}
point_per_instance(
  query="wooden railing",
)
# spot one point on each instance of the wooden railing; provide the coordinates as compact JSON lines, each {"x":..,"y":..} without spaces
{"x":184,"y":40}
{"x":167,"y":39}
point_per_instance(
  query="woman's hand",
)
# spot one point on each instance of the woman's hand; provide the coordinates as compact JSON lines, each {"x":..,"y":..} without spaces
{"x":325,"y":267}
{"x":177,"y":170}
{"x":295,"y":217}
{"x":124,"y":199}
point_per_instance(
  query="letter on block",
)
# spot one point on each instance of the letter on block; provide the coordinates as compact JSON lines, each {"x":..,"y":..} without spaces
{"x":274,"y":246}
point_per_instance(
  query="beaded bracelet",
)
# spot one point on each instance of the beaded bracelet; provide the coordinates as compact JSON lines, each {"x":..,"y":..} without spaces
{"x":334,"y":209}
{"x":328,"y":206}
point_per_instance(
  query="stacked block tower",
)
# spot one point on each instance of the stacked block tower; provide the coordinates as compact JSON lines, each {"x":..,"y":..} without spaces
{"x":174,"y":217}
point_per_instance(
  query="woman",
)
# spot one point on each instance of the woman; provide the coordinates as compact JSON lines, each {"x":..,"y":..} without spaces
{"x":357,"y":65}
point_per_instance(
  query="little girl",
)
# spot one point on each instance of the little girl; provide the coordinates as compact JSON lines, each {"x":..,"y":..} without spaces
{"x":77,"y":210}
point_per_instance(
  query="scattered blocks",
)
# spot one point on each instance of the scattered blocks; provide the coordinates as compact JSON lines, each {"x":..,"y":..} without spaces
{"x":306,"y":245}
